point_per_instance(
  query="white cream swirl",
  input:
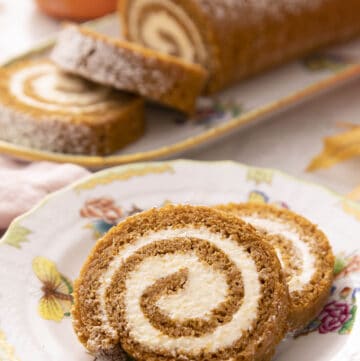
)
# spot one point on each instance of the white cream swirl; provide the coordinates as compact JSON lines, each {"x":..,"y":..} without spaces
{"x":43,"y":86}
{"x":195,"y":300}
{"x":274,"y":227}
{"x":160,"y":29}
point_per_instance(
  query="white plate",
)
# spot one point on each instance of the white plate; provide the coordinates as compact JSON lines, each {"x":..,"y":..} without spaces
{"x":63,"y":229}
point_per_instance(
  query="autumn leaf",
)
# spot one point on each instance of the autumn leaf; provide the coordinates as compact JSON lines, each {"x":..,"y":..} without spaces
{"x":338,"y":148}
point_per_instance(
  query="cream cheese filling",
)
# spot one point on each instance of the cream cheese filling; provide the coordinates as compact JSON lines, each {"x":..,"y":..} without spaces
{"x":58,"y":92}
{"x":162,"y":21}
{"x":154,"y":268}
{"x":273,"y":227}
{"x":204,"y":290}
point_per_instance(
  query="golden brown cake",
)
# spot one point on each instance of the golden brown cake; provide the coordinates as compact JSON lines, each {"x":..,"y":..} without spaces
{"x":237,"y":38}
{"x":304,"y":252}
{"x":159,"y":77}
{"x":182,"y":283}
{"x":44,"y":108}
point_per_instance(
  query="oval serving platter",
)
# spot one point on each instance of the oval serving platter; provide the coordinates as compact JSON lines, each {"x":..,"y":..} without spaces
{"x":52,"y":241}
{"x":169,"y":133}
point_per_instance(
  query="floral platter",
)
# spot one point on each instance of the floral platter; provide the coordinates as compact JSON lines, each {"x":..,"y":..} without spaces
{"x":43,"y":250}
{"x":169,"y":133}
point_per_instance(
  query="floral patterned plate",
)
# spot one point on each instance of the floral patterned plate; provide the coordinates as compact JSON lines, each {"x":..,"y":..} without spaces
{"x":43,"y":250}
{"x":169,"y":133}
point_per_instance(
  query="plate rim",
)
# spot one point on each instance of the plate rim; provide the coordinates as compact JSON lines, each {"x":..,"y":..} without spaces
{"x":140,"y":165}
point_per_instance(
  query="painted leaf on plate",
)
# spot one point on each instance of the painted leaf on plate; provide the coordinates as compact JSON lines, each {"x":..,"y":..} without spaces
{"x":7,"y":352}
{"x":351,"y":203}
{"x":16,"y":235}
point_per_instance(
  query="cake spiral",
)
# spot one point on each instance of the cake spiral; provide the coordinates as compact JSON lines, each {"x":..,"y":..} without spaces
{"x":237,"y":38}
{"x":45,"y":87}
{"x":181,"y":282}
{"x":43,"y":107}
{"x":304,"y":253}
{"x":157,"y":24}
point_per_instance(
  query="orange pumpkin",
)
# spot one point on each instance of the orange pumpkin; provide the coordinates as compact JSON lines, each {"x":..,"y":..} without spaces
{"x":77,"y":9}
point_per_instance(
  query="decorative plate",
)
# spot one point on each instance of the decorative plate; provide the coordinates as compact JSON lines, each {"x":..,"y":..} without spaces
{"x":169,"y":133}
{"x":43,"y":250}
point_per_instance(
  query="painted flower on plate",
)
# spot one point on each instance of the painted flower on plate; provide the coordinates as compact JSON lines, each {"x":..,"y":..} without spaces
{"x":104,"y":214}
{"x":333,"y":316}
{"x":102,"y":208}
{"x":7,"y":352}
{"x":346,"y":266}
{"x":257,"y":196}
{"x":339,"y":313}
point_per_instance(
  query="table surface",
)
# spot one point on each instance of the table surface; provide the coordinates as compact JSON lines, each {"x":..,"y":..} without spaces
{"x":287,"y":141}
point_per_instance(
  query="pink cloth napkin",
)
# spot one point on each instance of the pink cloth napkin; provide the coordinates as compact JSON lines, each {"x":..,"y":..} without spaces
{"x":23,"y":184}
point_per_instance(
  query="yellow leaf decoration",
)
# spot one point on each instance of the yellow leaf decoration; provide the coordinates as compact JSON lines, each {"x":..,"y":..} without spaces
{"x":351,"y":203}
{"x":57,"y":290}
{"x":259,"y":175}
{"x":338,"y":148}
{"x":7,"y":352}
{"x":113,"y":176}
{"x":16,"y":235}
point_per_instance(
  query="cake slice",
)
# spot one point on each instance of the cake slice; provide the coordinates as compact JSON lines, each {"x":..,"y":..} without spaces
{"x":41,"y":107}
{"x":126,"y":66}
{"x":304,"y":252}
{"x":181,"y":283}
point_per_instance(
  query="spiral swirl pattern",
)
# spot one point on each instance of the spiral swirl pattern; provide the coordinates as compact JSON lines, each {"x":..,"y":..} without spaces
{"x":165,"y":26}
{"x":44,"y":108}
{"x":181,"y":282}
{"x":304,"y":253}
{"x":42,"y":85}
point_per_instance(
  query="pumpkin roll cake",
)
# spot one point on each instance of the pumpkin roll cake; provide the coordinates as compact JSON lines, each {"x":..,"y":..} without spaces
{"x":304,"y":252}
{"x":161,"y":78}
{"x":41,"y":107}
{"x":182,"y":283}
{"x":237,"y":38}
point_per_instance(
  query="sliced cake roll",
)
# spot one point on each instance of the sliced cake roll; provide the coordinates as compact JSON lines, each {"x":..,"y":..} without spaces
{"x":182,"y":283}
{"x":237,"y":38}
{"x":304,"y":252}
{"x":42,"y":107}
{"x":159,"y":77}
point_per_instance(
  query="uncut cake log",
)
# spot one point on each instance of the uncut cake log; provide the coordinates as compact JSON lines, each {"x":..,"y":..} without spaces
{"x":182,"y":283}
{"x":237,"y":38}
{"x":162,"y":78}
{"x":43,"y":108}
{"x":304,"y":252}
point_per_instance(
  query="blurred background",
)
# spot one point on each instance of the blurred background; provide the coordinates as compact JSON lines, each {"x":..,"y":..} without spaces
{"x":24,"y":22}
